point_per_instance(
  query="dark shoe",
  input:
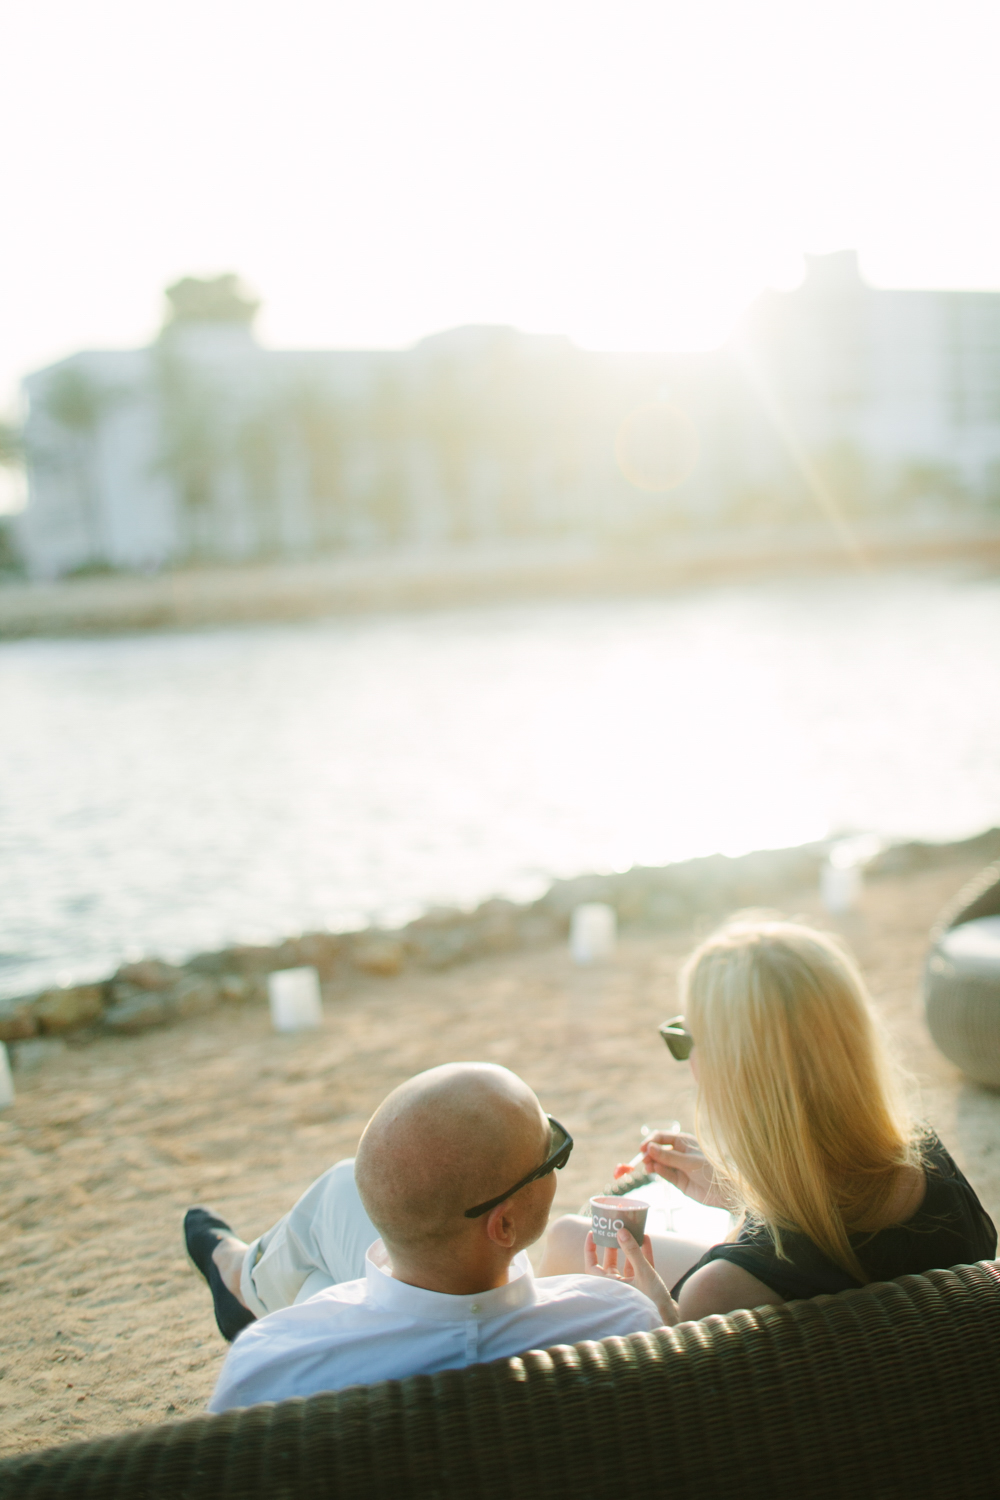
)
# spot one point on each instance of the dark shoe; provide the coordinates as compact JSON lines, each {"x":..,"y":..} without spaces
{"x":202,"y":1232}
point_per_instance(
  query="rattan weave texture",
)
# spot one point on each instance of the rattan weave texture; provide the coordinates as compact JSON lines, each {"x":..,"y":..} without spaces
{"x":890,"y":1391}
{"x":979,"y":897}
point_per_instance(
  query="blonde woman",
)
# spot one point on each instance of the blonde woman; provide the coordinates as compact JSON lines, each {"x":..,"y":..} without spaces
{"x":801,"y":1129}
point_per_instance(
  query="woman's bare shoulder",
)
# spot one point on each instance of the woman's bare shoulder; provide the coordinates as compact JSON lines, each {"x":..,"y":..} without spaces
{"x":722,"y":1287}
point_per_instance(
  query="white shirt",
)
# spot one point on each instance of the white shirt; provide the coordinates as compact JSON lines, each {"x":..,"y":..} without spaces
{"x":379,"y":1328}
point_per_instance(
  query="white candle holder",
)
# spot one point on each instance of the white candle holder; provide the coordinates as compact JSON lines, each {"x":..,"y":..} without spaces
{"x":839,"y":887}
{"x":842,"y":875}
{"x":295,"y":1000}
{"x":593,"y":932}
{"x":6,"y":1081}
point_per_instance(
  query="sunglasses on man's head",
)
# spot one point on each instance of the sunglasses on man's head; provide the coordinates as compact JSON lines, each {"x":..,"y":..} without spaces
{"x":562,"y":1145}
{"x":678,"y":1038}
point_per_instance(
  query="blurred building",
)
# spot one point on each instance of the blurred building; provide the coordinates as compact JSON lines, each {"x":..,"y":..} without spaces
{"x":892,"y":398}
{"x":207,"y":446}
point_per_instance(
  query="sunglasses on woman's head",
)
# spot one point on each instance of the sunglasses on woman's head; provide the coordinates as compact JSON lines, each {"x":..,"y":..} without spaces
{"x":678,"y":1038}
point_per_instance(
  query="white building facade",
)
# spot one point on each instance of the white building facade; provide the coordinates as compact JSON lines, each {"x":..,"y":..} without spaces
{"x":207,"y":447}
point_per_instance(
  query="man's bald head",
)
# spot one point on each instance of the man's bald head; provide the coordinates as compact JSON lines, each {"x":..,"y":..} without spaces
{"x":442,"y":1142}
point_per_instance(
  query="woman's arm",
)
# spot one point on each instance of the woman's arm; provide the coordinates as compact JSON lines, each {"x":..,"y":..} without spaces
{"x":721,"y":1287}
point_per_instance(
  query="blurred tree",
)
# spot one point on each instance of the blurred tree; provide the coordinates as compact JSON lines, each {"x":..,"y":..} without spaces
{"x":389,"y":428}
{"x":842,"y":468}
{"x":78,"y":402}
{"x":192,"y":438}
{"x":445,"y":412}
{"x":316,"y":422}
{"x":11,"y":561}
{"x":991,"y":487}
{"x":11,"y":446}
{"x":200,"y":430}
{"x":928,"y":488}
{"x":11,"y":458}
{"x":214,"y":299}
{"x":768,"y":505}
{"x":503,"y":436}
{"x":257,"y":446}
{"x":12,"y":481}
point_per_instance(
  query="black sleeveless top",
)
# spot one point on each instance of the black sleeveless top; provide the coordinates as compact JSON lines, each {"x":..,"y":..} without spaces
{"x":950,"y":1228}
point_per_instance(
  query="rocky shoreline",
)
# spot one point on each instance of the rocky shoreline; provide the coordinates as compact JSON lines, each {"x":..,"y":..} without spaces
{"x":151,"y":993}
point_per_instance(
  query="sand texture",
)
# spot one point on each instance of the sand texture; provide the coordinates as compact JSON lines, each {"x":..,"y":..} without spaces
{"x":105,"y":1324}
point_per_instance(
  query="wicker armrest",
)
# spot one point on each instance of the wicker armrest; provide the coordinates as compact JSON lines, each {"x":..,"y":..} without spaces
{"x":890,"y":1390}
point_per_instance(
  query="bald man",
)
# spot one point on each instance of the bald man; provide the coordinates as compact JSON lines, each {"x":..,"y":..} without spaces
{"x":412,"y":1258}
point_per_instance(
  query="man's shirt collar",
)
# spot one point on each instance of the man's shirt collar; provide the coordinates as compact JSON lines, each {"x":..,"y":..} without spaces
{"x":442,"y":1307}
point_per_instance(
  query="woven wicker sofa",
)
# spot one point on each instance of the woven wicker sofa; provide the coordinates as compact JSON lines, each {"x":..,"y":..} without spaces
{"x":889,"y":1391}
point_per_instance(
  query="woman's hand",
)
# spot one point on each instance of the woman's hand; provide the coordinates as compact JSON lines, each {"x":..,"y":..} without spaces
{"x":680,"y":1160}
{"x":637,"y":1271}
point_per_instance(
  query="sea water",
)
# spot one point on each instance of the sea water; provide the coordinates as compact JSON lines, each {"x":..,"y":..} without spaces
{"x":164,"y":793}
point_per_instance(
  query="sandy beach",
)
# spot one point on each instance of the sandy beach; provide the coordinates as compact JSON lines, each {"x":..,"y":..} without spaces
{"x":105,"y":1323}
{"x":419,"y":578}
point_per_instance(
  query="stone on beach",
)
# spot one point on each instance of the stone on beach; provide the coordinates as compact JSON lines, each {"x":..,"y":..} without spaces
{"x":149,"y":974}
{"x":138,"y":1012}
{"x":379,"y":955}
{"x":137,"y":1009}
{"x":17,"y":1020}
{"x":237,"y":990}
{"x":444,"y":936}
{"x":194,"y":996}
{"x":497,"y":926}
{"x":69,"y":1009}
{"x":323,"y":951}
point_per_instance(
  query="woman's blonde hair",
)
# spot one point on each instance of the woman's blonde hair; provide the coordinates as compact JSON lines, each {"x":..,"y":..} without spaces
{"x":799,"y":1106}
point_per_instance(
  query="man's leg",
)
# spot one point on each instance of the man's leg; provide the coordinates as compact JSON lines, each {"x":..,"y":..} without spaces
{"x":203,"y":1233}
{"x":323,"y":1240}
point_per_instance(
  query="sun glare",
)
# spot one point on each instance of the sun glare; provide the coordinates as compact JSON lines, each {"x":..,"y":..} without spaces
{"x":630,"y":176}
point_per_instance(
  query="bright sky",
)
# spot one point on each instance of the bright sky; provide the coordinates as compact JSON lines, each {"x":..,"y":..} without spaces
{"x":629,"y":172}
